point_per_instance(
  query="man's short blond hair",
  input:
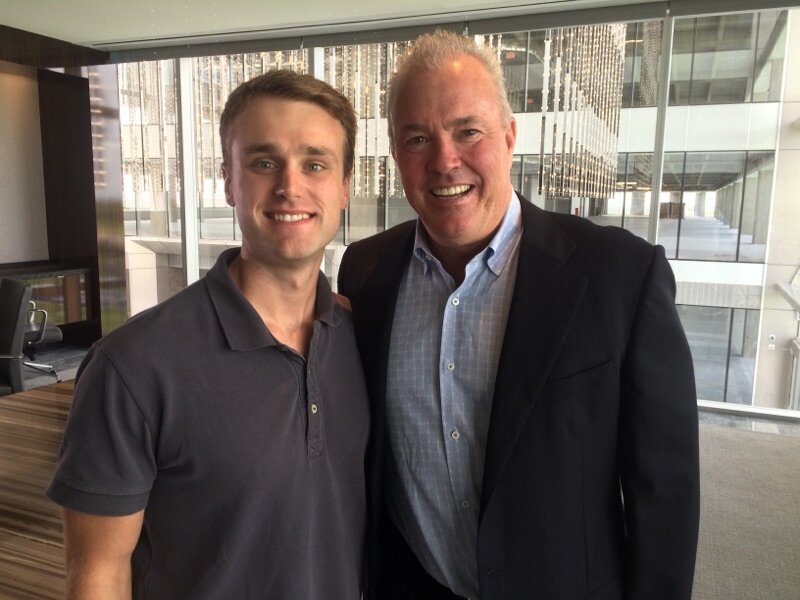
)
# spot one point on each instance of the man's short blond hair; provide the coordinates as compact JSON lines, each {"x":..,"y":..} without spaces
{"x":432,"y":50}
{"x":288,"y":85}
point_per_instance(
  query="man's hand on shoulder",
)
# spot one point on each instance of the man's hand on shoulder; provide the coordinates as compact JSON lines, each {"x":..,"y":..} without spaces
{"x":342,"y":301}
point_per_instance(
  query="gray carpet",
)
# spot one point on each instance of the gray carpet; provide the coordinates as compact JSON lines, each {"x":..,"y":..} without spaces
{"x":750,"y":516}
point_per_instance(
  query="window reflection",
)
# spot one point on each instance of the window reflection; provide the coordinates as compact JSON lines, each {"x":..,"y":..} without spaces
{"x":642,"y":58}
{"x":512,"y":50}
{"x":723,"y":345}
{"x":715,"y":205}
{"x":728,"y":58}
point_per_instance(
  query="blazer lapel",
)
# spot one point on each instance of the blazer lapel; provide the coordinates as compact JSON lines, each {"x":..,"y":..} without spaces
{"x":376,"y":302}
{"x":373,"y":314}
{"x":546,"y":294}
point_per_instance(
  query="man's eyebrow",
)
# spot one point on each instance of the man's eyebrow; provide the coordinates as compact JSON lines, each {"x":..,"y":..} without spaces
{"x":273,"y":149}
{"x":319,"y":151}
{"x":457,"y":122}
{"x":412,"y":127}
{"x":260,"y":149}
{"x":462,"y":121}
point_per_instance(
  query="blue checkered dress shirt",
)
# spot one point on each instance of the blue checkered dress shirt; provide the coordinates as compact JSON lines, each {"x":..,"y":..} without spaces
{"x":445,"y":347}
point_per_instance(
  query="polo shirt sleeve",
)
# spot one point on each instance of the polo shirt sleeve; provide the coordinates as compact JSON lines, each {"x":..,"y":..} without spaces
{"x":107,"y":459}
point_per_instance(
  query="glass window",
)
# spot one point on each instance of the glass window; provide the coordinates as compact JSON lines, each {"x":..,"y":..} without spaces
{"x":670,"y":203}
{"x":367,"y":199}
{"x":723,"y":59}
{"x":707,"y":329}
{"x":742,"y":359}
{"x":770,"y":51}
{"x":529,"y":185}
{"x":711,"y":205}
{"x":713,"y":59}
{"x":150,"y":182}
{"x":759,"y":173}
{"x":629,"y":205}
{"x":516,"y":172}
{"x":533,"y":100}
{"x":715,"y":205}
{"x":638,"y":193}
{"x":680,"y":75}
{"x":399,"y":210}
{"x":723,"y":344}
{"x":642,"y":56}
{"x":512,"y":50}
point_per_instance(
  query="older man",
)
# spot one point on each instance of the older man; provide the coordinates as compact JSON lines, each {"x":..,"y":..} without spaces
{"x":215,"y":447}
{"x":534,"y":413}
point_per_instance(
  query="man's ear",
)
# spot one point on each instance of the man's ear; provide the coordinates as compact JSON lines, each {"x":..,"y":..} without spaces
{"x":226,"y":176}
{"x":346,"y":194}
{"x":511,"y":135}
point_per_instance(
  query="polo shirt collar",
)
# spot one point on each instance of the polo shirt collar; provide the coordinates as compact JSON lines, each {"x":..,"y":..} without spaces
{"x":240,"y":323}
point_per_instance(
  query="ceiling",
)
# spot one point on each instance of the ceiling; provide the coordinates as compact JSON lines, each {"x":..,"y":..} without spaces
{"x":123,"y":24}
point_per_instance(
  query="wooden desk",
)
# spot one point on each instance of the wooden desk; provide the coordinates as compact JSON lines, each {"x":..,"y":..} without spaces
{"x":31,"y":536}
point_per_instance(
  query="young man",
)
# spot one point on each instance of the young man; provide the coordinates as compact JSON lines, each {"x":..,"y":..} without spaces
{"x":215,"y":444}
{"x":534,"y":415}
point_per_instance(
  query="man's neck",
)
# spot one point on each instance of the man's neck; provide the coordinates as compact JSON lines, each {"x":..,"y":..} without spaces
{"x":285,"y":299}
{"x":455,"y":260}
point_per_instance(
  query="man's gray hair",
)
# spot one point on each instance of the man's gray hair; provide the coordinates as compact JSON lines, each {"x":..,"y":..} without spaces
{"x":430,"y":51}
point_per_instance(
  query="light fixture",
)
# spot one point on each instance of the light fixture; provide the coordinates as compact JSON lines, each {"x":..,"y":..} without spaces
{"x":582,"y":80}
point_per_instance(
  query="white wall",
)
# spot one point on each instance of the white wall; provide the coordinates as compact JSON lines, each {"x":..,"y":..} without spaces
{"x":778,"y":318}
{"x":23,"y":222}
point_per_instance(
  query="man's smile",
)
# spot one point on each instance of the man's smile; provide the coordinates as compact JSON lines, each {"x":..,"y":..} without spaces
{"x":451,"y":191}
{"x":289,"y":217}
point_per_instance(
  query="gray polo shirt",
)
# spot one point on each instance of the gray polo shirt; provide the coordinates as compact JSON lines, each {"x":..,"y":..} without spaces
{"x":248,"y":459}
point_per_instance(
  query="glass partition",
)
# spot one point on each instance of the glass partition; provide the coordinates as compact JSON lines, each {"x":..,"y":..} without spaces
{"x":713,"y":205}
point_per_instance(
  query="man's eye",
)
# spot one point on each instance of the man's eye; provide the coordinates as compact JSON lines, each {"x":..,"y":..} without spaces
{"x":315,"y":167}
{"x":264,"y":164}
{"x":469,"y":133}
{"x":415,"y":142}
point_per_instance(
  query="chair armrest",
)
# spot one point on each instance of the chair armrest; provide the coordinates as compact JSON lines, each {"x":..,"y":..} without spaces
{"x":33,"y":327}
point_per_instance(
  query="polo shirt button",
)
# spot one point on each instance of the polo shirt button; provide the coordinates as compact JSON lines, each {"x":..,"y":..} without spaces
{"x":450,"y":366}
{"x":314,"y":409}
{"x":465,"y":504}
{"x":456,"y":301}
{"x":455,"y":434}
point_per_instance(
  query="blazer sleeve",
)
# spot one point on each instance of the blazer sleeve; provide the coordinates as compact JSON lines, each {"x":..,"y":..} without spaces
{"x":659,"y":464}
{"x":347,"y":270}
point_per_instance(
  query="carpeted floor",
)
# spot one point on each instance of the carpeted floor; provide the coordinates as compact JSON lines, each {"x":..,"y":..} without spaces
{"x":750,"y":516}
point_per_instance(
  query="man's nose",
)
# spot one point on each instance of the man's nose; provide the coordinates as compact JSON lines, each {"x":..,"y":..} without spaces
{"x":288,"y":182}
{"x":446,"y":156}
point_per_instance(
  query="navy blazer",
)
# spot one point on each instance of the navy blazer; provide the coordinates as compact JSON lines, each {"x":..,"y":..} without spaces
{"x":591,"y":476}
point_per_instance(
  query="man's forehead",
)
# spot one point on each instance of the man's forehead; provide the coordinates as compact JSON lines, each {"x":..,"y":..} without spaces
{"x":458,"y":64}
{"x":262,"y":121}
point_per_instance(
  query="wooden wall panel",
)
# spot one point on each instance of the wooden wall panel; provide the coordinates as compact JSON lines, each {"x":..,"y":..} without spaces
{"x":69,"y":187}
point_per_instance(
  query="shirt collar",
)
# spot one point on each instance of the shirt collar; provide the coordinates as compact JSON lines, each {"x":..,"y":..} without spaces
{"x":243,"y":328}
{"x":498,"y":251}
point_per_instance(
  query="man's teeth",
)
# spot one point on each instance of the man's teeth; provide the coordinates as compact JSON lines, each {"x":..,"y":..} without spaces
{"x":453,"y":190}
{"x":290,"y":218}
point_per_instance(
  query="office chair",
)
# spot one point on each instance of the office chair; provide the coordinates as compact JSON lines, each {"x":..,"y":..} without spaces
{"x":38,"y":332}
{"x":14,"y":298}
